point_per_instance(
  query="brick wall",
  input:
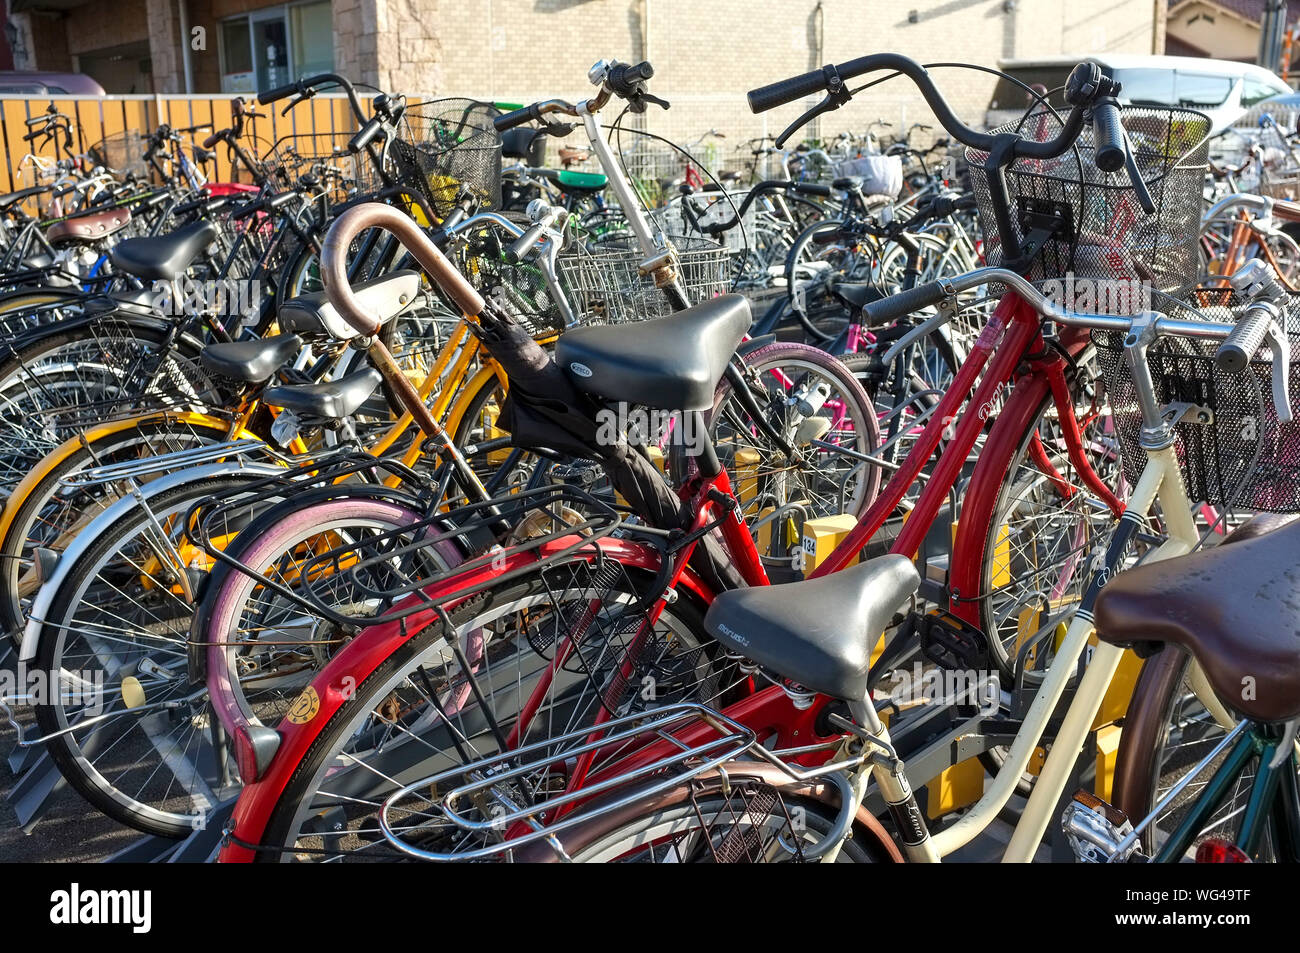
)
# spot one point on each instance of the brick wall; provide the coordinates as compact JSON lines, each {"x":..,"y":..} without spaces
{"x":706,"y":55}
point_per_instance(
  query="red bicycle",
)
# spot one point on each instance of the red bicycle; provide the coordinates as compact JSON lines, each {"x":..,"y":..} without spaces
{"x":613,"y":625}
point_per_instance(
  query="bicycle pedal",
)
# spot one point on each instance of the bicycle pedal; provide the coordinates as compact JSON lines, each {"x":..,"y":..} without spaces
{"x":1096,"y":829}
{"x":952,"y":643}
{"x":581,"y":473}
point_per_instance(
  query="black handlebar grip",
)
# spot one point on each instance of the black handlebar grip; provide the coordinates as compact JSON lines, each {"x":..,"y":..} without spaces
{"x":276,"y":202}
{"x":365,"y":135}
{"x":786,"y":91}
{"x":213,"y":139}
{"x":280,"y":92}
{"x":246,"y":210}
{"x":809,"y":188}
{"x":1243,"y":341}
{"x":517,"y":118}
{"x":1109,"y":134}
{"x":519,"y":247}
{"x":454,"y":218}
{"x":904,"y":303}
{"x":624,"y":73}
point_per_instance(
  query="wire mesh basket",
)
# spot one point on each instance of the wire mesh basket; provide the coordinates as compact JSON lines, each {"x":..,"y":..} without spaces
{"x":1280,"y":182}
{"x":606,"y":286}
{"x":450,"y":148}
{"x":753,"y":163}
{"x":1244,"y":458}
{"x":448,"y":121}
{"x":122,"y":152}
{"x":520,"y":288}
{"x":324,"y":155}
{"x":1106,"y":235}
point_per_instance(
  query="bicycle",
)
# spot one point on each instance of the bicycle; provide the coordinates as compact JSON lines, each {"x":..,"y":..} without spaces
{"x":268,"y":816}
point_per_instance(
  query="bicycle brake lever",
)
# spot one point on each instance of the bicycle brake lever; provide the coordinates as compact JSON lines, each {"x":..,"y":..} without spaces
{"x":1281,"y":348}
{"x":832,"y":100}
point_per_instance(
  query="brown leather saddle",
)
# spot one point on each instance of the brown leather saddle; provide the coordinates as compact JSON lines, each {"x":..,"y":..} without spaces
{"x":88,"y":227}
{"x":570,"y":156}
{"x":1235,"y":608}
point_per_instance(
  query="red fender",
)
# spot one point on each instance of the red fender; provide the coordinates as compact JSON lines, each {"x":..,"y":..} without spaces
{"x":336,"y":682}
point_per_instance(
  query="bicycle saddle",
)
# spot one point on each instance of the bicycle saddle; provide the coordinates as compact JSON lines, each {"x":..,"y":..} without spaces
{"x":671,"y":363}
{"x":384,"y":298}
{"x":1235,"y":608}
{"x":847,"y":183}
{"x":818,"y":632}
{"x":14,"y":198}
{"x":587,"y":183}
{"x":250,"y":361}
{"x":163,"y":257}
{"x":88,"y":227}
{"x":857,"y":296}
{"x":329,"y":399}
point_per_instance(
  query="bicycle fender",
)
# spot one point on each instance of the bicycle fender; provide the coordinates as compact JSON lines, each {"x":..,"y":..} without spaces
{"x":335,"y":684}
{"x":753,"y":344}
{"x":84,"y":539}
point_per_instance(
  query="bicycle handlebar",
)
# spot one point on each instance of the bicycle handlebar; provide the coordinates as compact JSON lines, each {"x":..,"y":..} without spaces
{"x":306,"y":87}
{"x":1111,"y":148}
{"x":832,"y":78}
{"x":334,"y":263}
{"x":521,"y":245}
{"x":531,"y":113}
{"x":1245,"y":339}
{"x":762,"y":188}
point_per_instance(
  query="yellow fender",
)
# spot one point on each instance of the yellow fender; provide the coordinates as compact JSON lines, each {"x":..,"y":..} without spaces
{"x":92,"y":434}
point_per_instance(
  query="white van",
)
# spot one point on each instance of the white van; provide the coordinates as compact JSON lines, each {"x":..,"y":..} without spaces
{"x":1222,"y":89}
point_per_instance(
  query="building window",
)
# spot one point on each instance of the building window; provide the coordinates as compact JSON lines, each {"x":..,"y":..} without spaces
{"x":274,"y":46}
{"x":312,"y":31}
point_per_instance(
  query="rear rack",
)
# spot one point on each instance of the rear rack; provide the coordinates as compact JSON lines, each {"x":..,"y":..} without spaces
{"x":486,"y":793}
{"x":178,"y":459}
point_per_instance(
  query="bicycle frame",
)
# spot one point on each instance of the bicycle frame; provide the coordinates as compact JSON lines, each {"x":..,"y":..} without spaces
{"x":1272,"y":802}
{"x":772,"y":706}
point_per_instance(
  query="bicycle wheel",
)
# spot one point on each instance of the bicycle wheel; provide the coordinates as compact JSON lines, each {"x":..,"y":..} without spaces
{"x":752,"y":822}
{"x":128,"y":731}
{"x":418,"y":712}
{"x":65,"y":381}
{"x":47,"y":514}
{"x":819,"y":258}
{"x":269,"y":645}
{"x":820,"y":409}
{"x":1167,"y":731}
